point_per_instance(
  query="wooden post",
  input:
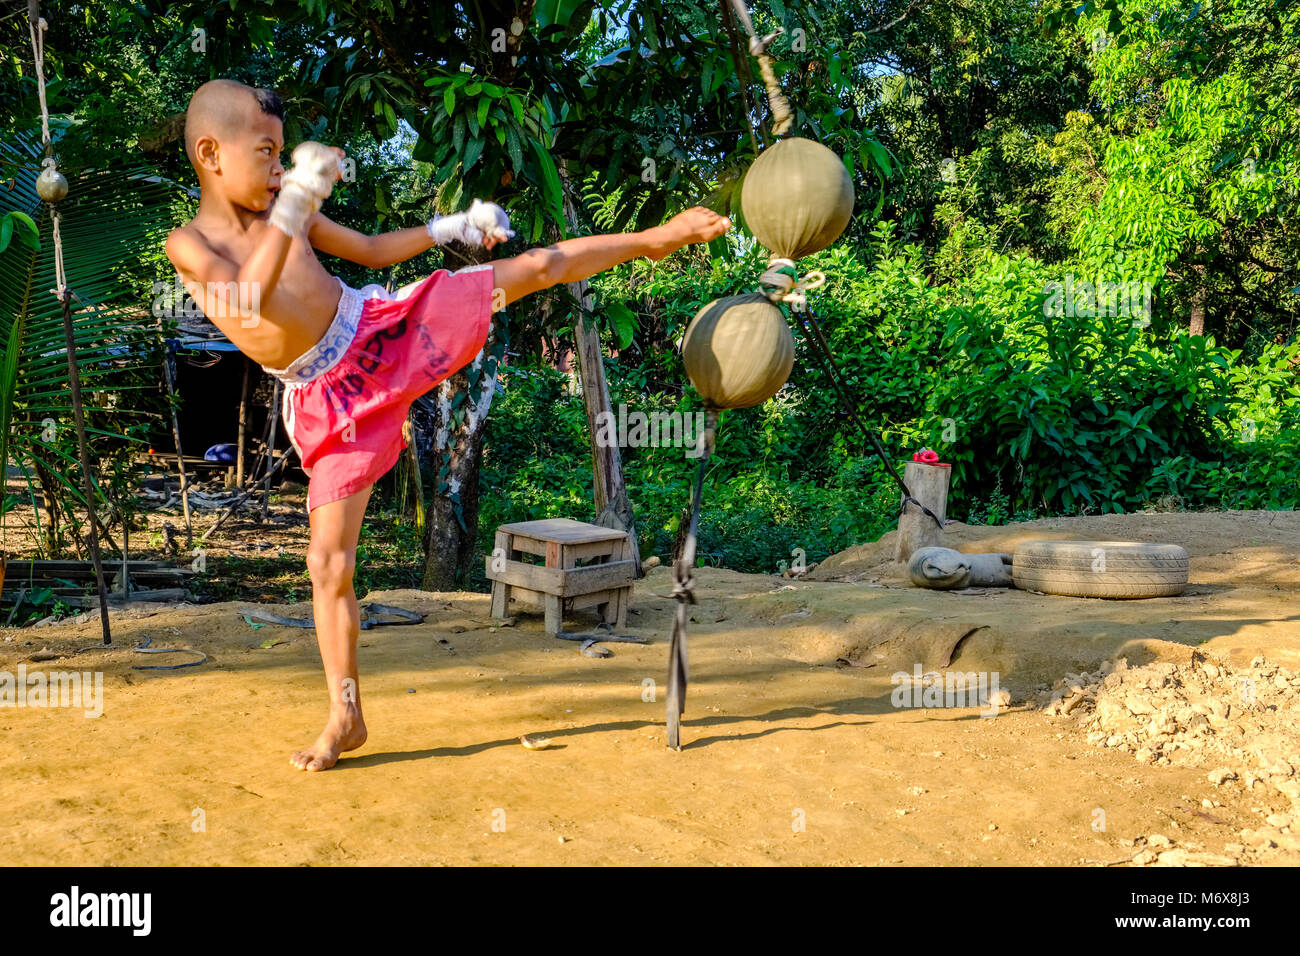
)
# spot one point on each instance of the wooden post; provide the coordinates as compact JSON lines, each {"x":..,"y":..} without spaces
{"x":243,"y":424}
{"x":916,"y":529}
{"x":612,"y":506}
{"x":272,"y":426}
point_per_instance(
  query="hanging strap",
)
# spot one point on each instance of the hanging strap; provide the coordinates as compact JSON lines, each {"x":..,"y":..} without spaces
{"x":684,"y":593}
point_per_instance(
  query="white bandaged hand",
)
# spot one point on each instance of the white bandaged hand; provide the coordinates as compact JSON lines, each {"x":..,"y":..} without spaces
{"x":304,"y":187}
{"x":483,"y":220}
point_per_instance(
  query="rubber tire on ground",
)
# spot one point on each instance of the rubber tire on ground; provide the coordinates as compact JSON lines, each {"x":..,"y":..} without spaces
{"x":1104,"y":569}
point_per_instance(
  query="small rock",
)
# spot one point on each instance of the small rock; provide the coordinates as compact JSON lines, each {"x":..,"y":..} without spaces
{"x":1221,"y":775}
{"x":1159,"y":839}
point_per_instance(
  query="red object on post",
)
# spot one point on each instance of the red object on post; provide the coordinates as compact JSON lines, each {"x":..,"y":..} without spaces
{"x":927,"y":457}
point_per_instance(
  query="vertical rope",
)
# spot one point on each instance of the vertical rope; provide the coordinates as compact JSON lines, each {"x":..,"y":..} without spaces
{"x":37,"y":27}
{"x":782,"y":113}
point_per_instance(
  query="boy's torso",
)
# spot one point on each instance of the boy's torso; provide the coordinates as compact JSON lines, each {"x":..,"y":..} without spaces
{"x":296,"y":314}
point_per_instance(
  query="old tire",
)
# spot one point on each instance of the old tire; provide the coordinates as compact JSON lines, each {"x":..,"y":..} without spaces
{"x":1103,"y":569}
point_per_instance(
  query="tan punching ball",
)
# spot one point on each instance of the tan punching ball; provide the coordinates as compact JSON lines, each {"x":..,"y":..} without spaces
{"x":797,"y":197}
{"x":738,"y":351}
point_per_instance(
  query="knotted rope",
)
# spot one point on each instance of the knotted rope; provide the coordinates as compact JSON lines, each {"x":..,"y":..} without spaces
{"x":783,"y":283}
{"x":38,"y":28}
{"x":782,"y":113}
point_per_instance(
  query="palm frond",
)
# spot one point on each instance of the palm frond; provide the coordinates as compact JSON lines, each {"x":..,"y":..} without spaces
{"x":112,"y":223}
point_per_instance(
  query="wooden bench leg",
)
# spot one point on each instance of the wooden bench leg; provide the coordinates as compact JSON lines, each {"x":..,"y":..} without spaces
{"x":501,"y":590}
{"x":620,"y":608}
{"x":554,"y":614}
{"x":614,"y":612}
{"x":500,"y":600}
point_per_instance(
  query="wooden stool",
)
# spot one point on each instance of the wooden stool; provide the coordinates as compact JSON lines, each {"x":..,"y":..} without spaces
{"x":559,"y":586}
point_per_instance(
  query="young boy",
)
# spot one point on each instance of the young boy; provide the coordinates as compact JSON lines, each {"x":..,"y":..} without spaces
{"x":352,"y":361}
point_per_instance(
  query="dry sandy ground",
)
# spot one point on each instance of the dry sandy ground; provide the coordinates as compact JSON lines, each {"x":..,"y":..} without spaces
{"x":790,"y":757}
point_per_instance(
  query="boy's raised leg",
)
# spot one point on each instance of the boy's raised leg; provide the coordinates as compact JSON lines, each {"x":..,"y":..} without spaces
{"x":331,"y":560}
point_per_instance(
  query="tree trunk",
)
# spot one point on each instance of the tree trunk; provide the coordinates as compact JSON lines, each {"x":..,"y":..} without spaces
{"x":456,"y":454}
{"x":1196,"y":324}
{"x":613,"y":509}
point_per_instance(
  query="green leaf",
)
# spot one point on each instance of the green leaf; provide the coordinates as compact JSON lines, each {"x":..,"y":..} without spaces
{"x":472,"y":152}
{"x":513,"y":148}
{"x":623,"y":321}
{"x":550,"y":181}
{"x":556,"y":13}
{"x":32,"y":241}
{"x":517,"y":107}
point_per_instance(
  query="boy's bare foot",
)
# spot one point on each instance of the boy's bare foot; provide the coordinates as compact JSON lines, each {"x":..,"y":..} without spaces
{"x":345,"y":731}
{"x":697,"y":224}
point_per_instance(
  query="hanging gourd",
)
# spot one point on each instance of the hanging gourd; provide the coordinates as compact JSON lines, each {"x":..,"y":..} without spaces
{"x":797,"y":198}
{"x":738,"y":351}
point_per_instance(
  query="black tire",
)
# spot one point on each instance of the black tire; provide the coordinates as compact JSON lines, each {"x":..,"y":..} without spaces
{"x":1103,"y":569}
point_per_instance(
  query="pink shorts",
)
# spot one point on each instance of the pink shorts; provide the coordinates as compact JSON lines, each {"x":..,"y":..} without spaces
{"x":347,"y":398}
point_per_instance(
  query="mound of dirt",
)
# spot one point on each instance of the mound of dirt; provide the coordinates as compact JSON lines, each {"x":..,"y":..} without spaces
{"x":1243,"y":723}
{"x":1259,"y":548}
{"x":1244,"y":576}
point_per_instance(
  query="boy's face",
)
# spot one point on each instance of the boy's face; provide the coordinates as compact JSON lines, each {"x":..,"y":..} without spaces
{"x":250,"y":161}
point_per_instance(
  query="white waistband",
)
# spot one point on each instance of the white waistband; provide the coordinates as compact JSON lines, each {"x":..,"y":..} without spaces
{"x":325,"y":354}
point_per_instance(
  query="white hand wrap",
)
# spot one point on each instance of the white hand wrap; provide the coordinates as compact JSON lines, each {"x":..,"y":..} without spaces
{"x":304,"y":187}
{"x":484,"y":220}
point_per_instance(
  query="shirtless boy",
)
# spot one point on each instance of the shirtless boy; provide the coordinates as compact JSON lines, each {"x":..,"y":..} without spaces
{"x":352,"y":361}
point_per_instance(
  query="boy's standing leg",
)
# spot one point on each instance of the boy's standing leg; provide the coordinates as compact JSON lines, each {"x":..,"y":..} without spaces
{"x":331,"y":561}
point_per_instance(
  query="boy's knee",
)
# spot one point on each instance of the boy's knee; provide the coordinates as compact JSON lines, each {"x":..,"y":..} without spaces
{"x":330,"y":565}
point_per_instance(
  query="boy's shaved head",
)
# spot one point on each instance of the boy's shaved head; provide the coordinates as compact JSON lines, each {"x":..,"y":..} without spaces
{"x":222,"y":108}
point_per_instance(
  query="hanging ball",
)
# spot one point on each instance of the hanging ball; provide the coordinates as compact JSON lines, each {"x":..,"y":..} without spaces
{"x":738,"y":351}
{"x":51,"y":185}
{"x":797,"y":197}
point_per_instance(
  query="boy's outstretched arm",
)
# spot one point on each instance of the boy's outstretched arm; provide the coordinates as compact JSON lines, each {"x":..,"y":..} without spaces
{"x":483,"y":224}
{"x":373,"y":252}
{"x":576,"y":259}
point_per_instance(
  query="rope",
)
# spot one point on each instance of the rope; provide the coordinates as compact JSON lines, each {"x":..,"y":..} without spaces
{"x":786,"y":285}
{"x":782,"y":113}
{"x":37,"y":31}
{"x":60,"y":277}
{"x":37,"y":26}
{"x":831,"y":370}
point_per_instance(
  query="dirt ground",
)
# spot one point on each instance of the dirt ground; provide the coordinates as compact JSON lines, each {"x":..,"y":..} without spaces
{"x":795,"y":753}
